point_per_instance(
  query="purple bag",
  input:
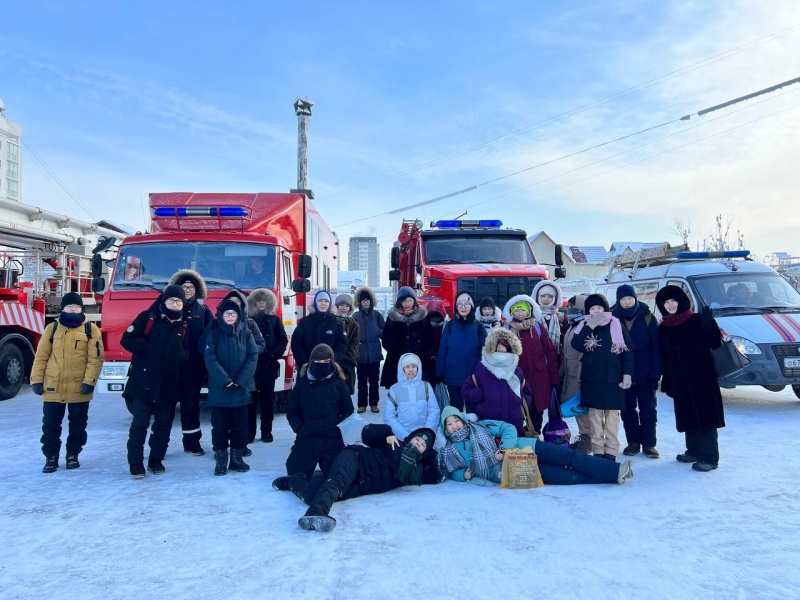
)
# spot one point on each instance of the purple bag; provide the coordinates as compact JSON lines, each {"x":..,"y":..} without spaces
{"x":556,"y":431}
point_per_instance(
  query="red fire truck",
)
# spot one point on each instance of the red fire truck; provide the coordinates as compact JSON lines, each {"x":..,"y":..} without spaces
{"x":475,"y":256}
{"x":221,"y":236}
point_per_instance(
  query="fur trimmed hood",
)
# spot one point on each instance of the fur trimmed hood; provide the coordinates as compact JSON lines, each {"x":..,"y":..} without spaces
{"x":419,"y":314}
{"x":259,"y":295}
{"x":508,"y":337}
{"x":200,"y":290}
{"x":537,"y":312}
{"x":559,"y":300}
{"x":496,"y":316}
{"x":357,"y":297}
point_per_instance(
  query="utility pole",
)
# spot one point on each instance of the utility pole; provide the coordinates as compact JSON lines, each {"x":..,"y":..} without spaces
{"x":302,"y":108}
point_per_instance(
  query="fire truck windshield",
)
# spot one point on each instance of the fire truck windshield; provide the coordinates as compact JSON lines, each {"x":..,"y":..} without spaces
{"x":222,"y":264}
{"x":455,"y":249}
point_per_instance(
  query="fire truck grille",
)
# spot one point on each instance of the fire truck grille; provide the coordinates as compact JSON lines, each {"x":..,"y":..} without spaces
{"x":498,"y":288}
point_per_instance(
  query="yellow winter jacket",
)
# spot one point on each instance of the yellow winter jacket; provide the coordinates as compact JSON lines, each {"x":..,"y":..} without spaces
{"x":70,"y":361}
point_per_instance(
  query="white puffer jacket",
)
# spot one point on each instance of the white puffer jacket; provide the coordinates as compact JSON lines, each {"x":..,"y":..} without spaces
{"x":411,"y":403}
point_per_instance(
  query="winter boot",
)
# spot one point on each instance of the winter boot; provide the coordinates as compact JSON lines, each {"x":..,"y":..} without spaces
{"x":194,"y":449}
{"x":137,"y":471}
{"x":156,"y":467}
{"x":631,"y":450}
{"x":51,"y":464}
{"x":246,"y":451}
{"x":686,"y":458}
{"x":281,"y":484}
{"x":651,"y":452}
{"x":312,"y":522}
{"x":267,"y":438}
{"x":583,"y":444}
{"x":374,"y":409}
{"x":72,"y":461}
{"x":221,"y":468}
{"x":625,"y":471}
{"x":704,"y":467}
{"x":237,"y":464}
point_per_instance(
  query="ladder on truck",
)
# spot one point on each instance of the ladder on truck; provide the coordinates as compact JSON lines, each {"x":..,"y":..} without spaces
{"x":643,"y":257}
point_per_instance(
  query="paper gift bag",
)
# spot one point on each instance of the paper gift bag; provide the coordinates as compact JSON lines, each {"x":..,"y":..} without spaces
{"x":520,"y":470}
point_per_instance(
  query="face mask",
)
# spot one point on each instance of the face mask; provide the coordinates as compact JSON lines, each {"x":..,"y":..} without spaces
{"x":71,"y":320}
{"x":172,"y":315}
{"x":320,"y":370}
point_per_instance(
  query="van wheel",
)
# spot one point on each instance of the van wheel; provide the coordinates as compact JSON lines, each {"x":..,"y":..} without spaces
{"x":796,"y":389}
{"x":12,"y":371}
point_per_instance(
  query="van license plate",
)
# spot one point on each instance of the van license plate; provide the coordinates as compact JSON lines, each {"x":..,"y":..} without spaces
{"x":791,"y":363}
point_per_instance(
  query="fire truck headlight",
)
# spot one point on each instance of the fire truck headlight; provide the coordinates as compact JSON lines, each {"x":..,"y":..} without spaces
{"x":744,"y":345}
{"x":114,"y":372}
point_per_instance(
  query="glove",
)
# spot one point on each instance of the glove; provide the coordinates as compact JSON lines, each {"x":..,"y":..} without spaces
{"x":86,"y":389}
{"x":707,"y":316}
{"x":37,"y":388}
{"x":595,"y":320}
{"x":654,"y":383}
{"x":626,"y":382}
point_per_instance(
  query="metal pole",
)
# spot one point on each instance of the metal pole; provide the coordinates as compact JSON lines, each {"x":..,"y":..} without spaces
{"x":302,"y":108}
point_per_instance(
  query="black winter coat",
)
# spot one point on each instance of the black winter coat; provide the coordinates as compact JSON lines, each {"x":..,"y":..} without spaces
{"x":231,"y":356}
{"x":370,"y":330}
{"x":603,"y":367}
{"x":644,"y":335}
{"x":377,"y":463}
{"x":314,"y":329}
{"x":316,"y":408}
{"x":403,"y":334}
{"x":197,"y":317}
{"x":156,"y":357}
{"x":275,"y":341}
{"x":690,"y":378}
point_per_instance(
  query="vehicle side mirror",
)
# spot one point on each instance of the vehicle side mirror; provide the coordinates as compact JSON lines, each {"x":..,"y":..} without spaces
{"x":301,"y":286}
{"x":560,"y":272}
{"x":97,"y":266}
{"x":394,"y":257}
{"x":304,"y":267}
{"x":98,"y":284}
{"x":559,"y":258}
{"x":394,"y":275}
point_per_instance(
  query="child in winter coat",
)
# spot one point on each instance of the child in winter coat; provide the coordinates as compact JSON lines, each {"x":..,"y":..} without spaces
{"x":231,"y":358}
{"x":382,"y":464}
{"x":686,"y":340}
{"x":319,"y":326}
{"x":370,"y":354}
{"x":261,"y":304}
{"x":406,"y":330}
{"x":538,"y":360}
{"x":460,"y":349}
{"x":489,"y":315}
{"x":319,"y":401}
{"x":497,"y":389}
{"x":549,"y":297}
{"x":606,"y":372}
{"x":64,"y":373}
{"x":640,"y":426}
{"x":344,"y":314}
{"x":570,"y":371}
{"x":473,"y":454}
{"x":437,"y":318}
{"x":157,"y":342}
{"x":411,"y":401}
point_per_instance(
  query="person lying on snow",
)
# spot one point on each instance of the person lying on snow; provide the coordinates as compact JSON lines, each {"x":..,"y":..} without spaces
{"x":473,"y":454}
{"x":382,"y":465}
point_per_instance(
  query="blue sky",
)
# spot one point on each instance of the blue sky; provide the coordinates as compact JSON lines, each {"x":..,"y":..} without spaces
{"x":429,"y":98}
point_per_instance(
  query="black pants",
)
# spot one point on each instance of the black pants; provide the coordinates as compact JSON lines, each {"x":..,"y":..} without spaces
{"x":306,"y":454}
{"x":340,"y":484}
{"x":228,"y":425}
{"x":640,"y":427}
{"x":262,"y":399}
{"x":52,"y":417}
{"x":368,"y":383}
{"x":189,"y":385}
{"x":162,"y":413}
{"x":703,"y":444}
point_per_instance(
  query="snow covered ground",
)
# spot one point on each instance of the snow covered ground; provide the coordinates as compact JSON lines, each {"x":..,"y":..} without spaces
{"x":668,"y":533}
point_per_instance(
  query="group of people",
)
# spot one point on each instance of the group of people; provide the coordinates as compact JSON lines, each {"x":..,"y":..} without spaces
{"x":501,"y":370}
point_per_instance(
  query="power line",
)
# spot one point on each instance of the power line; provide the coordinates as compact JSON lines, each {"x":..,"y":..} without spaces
{"x":605,"y":100}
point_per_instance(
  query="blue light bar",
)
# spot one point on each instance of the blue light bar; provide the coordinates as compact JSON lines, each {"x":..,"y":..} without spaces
{"x":468,"y":223}
{"x":717,"y":254}
{"x":201,"y":211}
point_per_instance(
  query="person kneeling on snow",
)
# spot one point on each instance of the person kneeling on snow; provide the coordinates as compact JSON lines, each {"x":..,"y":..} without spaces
{"x":382,"y":465}
{"x":471,"y":453}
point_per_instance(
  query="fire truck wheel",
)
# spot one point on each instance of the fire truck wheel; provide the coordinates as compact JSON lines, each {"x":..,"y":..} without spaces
{"x":12,"y":371}
{"x":796,"y":389}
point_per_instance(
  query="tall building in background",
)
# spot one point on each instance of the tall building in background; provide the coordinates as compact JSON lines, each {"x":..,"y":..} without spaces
{"x":10,"y":157}
{"x":363,"y":256}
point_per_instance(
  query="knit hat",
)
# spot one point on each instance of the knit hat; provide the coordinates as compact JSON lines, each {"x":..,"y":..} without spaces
{"x":521,"y":305}
{"x":451,"y":411}
{"x":174,"y":291}
{"x":321,"y":295}
{"x":426,"y":434}
{"x":672,"y":292}
{"x":595,"y":300}
{"x":625,"y":291}
{"x":344,"y":299}
{"x":321,"y":352}
{"x":229,"y":304}
{"x":405,"y":292}
{"x":71,"y":298}
{"x":465,"y":297}
{"x":487,"y":302}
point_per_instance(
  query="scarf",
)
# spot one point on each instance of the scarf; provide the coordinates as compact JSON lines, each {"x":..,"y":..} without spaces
{"x":617,"y":340}
{"x":628,"y":313}
{"x":172,"y":315}
{"x":553,"y":328}
{"x":320,"y":372}
{"x":678,"y":319}
{"x":71,"y":320}
{"x":503,"y":365}
{"x":481,"y":455}
{"x":409,"y":471}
